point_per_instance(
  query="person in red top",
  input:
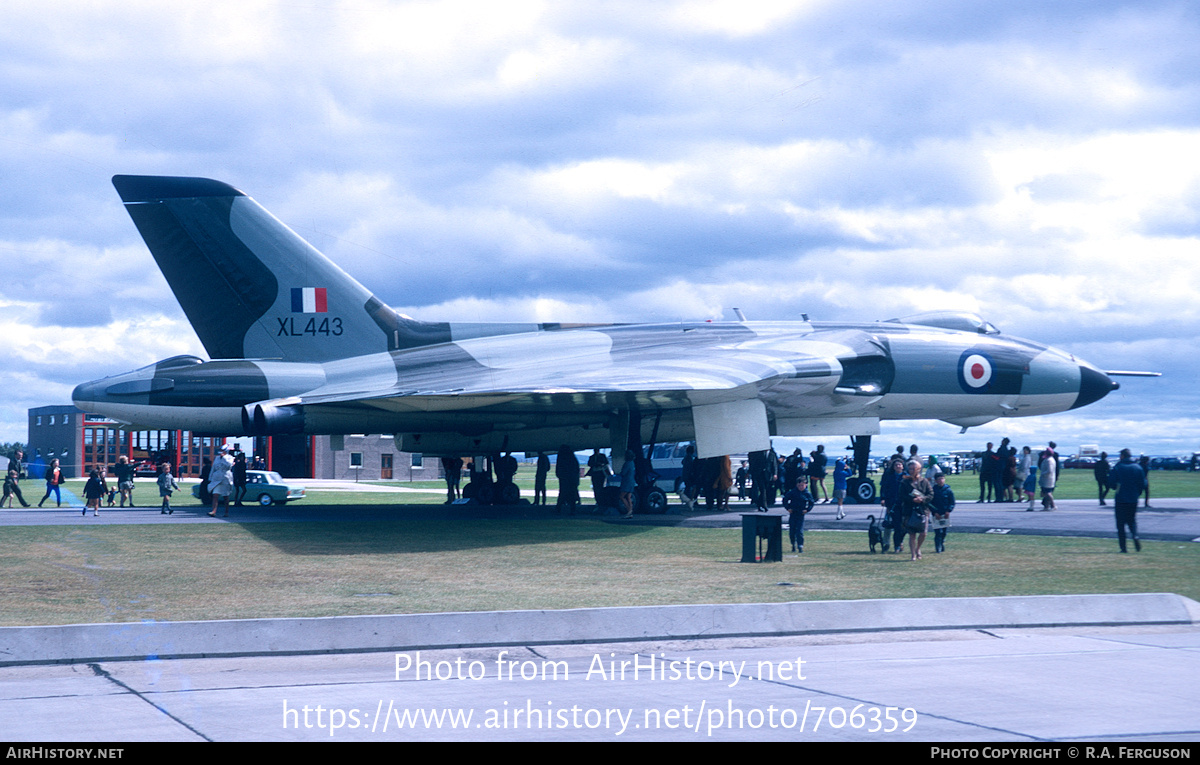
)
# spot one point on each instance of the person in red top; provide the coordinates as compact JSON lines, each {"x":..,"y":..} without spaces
{"x":54,"y":479}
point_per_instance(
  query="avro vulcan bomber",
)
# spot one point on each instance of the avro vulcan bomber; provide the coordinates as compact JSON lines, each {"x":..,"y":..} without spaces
{"x":296,"y":345}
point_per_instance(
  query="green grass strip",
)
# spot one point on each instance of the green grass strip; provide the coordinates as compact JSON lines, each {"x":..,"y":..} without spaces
{"x":62,"y":575}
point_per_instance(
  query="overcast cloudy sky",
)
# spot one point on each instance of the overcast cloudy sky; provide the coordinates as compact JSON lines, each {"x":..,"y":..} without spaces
{"x":1036,"y":162}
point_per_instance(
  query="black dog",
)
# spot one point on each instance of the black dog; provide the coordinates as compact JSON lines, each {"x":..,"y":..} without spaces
{"x":875,"y":535}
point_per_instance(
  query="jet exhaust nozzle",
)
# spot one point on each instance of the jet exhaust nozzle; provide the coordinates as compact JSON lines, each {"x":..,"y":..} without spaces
{"x":272,"y":420}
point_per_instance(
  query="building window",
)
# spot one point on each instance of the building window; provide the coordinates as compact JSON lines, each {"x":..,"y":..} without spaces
{"x":51,"y":419}
{"x":66,"y":419}
{"x":417,"y":459}
{"x":356,"y":459}
{"x":39,"y":419}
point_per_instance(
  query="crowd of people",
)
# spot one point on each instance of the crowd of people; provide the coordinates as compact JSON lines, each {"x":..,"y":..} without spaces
{"x":1004,"y":475}
{"x":914,"y":494}
{"x":914,"y":500}
{"x":222,"y":482}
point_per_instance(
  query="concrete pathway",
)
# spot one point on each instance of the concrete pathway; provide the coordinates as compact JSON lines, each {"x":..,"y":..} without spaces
{"x":1012,"y":686}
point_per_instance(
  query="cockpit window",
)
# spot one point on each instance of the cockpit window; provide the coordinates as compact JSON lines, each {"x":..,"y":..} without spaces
{"x":179,"y":361}
{"x":171,"y":363}
{"x":958,"y":320}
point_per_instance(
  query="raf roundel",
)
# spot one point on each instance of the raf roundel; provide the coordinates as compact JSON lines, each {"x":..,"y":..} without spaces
{"x":974,"y":372}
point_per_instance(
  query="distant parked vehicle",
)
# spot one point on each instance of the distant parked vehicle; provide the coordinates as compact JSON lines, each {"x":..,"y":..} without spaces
{"x":145,"y":469}
{"x":266,"y":488}
{"x":1167,"y":463}
{"x":668,"y":464}
{"x":949,"y":463}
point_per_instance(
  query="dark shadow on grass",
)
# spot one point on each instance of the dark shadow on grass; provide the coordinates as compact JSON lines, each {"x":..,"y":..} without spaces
{"x":413,"y":529}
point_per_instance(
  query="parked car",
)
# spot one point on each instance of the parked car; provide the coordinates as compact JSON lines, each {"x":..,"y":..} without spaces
{"x":1168,"y":463}
{"x":145,"y":469}
{"x":950,"y":464}
{"x":266,"y":488}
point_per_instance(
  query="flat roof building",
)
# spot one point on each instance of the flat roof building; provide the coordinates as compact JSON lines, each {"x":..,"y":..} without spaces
{"x":370,"y":458}
{"x":81,"y":442}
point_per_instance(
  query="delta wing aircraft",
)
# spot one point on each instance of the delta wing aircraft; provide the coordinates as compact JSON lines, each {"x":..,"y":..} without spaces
{"x":298,"y":346}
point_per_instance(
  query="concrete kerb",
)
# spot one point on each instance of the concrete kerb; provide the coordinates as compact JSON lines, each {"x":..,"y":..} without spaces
{"x":354,"y":634}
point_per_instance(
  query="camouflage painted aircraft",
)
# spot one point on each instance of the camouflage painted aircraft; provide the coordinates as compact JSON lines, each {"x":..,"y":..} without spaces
{"x":298,"y":346}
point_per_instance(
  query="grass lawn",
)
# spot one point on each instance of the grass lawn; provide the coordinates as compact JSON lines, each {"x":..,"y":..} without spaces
{"x":1080,"y":484}
{"x":62,"y":575}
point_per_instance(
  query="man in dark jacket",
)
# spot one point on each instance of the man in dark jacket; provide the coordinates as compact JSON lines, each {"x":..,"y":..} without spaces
{"x":690,"y":473}
{"x":988,"y":465}
{"x":566,"y":470}
{"x":759,"y":475}
{"x":773,"y":476}
{"x":16,"y":464}
{"x":598,"y":472}
{"x":539,"y":479}
{"x":452,"y":470}
{"x":798,"y":502}
{"x":1100,"y":471}
{"x":240,"y":479}
{"x":1002,"y":454}
{"x":1128,"y":479}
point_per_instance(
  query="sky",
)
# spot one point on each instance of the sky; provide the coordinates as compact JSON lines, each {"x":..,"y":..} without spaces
{"x":1035,"y":162}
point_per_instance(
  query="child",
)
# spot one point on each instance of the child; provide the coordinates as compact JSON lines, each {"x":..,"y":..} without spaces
{"x":10,"y":488}
{"x":841,"y":475}
{"x":1031,"y":482}
{"x":166,"y":485}
{"x":93,"y":490}
{"x":798,"y":502}
{"x":943,"y":503}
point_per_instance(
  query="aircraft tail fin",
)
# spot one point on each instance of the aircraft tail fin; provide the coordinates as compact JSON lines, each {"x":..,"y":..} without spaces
{"x":250,"y":286}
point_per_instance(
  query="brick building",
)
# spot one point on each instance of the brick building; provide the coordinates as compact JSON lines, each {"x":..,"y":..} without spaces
{"x":370,"y":458}
{"x":81,"y":441}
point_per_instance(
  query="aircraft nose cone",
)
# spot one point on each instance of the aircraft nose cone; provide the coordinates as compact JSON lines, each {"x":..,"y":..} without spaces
{"x":1093,"y":386}
{"x":86,"y":392}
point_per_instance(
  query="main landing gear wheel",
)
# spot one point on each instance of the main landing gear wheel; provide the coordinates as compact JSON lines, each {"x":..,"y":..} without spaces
{"x":480,"y":492}
{"x":862,"y":489}
{"x":653,"y":500}
{"x":510,"y":494}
